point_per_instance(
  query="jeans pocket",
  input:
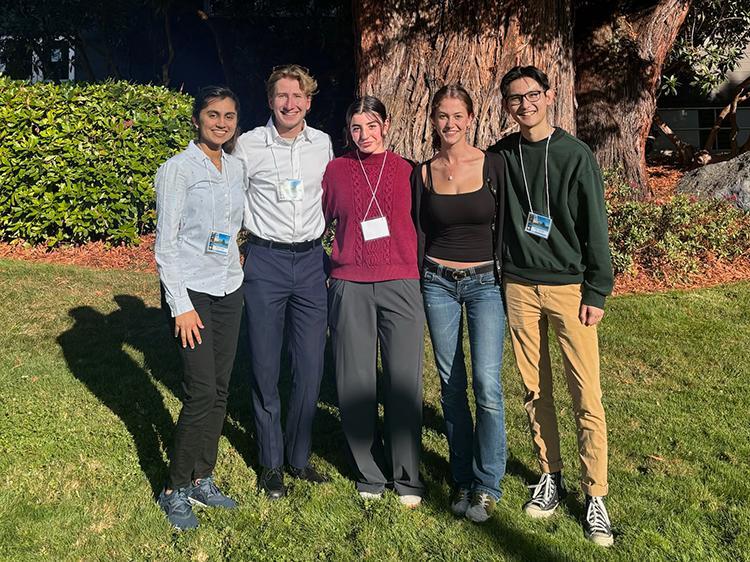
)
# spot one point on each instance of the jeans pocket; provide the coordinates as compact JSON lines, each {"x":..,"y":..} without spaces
{"x":428,"y":276}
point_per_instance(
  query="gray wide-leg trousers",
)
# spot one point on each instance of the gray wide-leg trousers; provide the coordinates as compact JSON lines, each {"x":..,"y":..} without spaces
{"x":360,"y":316}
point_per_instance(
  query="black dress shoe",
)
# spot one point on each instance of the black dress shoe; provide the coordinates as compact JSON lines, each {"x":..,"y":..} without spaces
{"x":308,"y":473}
{"x":272,"y":483}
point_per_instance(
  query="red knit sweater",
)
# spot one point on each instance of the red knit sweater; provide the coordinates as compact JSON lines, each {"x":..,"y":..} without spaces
{"x":346,"y":197}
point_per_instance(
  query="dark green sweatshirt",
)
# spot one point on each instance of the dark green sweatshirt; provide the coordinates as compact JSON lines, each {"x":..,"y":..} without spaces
{"x":577,"y":250}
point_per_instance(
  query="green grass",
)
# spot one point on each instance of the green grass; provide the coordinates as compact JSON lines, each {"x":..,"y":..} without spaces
{"x":89,"y":383}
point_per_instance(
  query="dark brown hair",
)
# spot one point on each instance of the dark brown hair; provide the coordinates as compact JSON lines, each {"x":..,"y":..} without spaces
{"x":365,"y":104}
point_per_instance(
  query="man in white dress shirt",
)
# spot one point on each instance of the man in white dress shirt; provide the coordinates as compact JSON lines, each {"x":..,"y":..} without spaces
{"x":284,"y":278}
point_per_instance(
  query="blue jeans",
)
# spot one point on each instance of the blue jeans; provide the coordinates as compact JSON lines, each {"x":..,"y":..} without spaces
{"x":477,"y":454}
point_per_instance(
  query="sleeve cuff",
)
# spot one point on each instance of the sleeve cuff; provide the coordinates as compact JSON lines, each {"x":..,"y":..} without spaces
{"x":180,"y":305}
{"x":592,"y":298}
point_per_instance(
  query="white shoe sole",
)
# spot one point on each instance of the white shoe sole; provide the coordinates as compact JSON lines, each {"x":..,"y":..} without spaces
{"x":601,"y":540}
{"x":412,"y":502}
{"x":370,"y":496}
{"x":536,"y":513}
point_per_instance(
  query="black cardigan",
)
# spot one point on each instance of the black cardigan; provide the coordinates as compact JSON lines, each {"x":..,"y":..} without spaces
{"x":494,"y":176}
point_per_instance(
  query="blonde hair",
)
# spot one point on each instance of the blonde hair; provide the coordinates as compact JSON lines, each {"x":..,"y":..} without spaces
{"x":307,"y":83}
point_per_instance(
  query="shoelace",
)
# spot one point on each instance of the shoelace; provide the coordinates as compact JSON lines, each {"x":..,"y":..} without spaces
{"x":208,"y":487}
{"x":180,"y":503}
{"x":544,"y":490}
{"x":463,"y":495}
{"x":597,"y":517}
{"x":482,"y":499}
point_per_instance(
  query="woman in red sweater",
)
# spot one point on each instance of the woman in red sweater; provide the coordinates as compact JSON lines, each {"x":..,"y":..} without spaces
{"x":374,"y":299}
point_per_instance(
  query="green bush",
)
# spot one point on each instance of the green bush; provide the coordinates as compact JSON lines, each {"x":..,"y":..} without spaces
{"x":675,"y":238}
{"x":77,"y":162}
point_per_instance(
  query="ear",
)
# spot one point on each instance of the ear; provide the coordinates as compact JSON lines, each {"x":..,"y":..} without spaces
{"x":386,"y":125}
{"x":550,"y":96}
{"x":195,"y":122}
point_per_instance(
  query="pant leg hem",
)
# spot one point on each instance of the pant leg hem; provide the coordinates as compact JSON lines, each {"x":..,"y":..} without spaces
{"x":496,"y":494}
{"x":551,"y":466}
{"x":595,"y":489}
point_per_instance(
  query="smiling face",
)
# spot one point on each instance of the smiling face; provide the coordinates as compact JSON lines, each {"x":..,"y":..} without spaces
{"x":528,"y":114}
{"x":289,"y":105}
{"x":216,"y":122}
{"x":368,"y":132}
{"x":451,"y":120}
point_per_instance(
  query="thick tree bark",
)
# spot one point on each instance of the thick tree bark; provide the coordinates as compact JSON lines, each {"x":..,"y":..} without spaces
{"x":408,"y":49}
{"x":620,"y":49}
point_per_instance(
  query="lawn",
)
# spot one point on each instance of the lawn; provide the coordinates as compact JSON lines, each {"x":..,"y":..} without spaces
{"x":90,"y":382}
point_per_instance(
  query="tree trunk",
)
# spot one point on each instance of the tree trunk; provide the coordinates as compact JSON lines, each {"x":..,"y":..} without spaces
{"x":619,"y":54}
{"x":408,"y":49}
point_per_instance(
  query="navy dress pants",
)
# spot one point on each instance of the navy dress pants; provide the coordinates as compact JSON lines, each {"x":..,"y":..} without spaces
{"x":285,"y":287}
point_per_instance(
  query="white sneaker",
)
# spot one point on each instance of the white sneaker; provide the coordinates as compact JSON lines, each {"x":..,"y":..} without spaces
{"x":410,"y":501}
{"x":370,"y":495}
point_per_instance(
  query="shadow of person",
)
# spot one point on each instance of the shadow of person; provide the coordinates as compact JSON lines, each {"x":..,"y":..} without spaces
{"x":94,"y":349}
{"x":147,"y":330}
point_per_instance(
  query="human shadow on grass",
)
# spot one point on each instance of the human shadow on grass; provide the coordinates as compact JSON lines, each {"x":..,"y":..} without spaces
{"x":95,"y":351}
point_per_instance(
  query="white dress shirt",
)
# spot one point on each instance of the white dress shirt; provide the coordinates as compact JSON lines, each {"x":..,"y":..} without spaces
{"x":192,"y":199}
{"x":271,"y":159}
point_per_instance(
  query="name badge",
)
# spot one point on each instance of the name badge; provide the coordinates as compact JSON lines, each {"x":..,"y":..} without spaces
{"x":375,"y":228}
{"x":538,"y":225}
{"x":218,"y":243}
{"x":291,"y":189}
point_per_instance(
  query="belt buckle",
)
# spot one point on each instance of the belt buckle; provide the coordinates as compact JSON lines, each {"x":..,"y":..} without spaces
{"x":459,"y":274}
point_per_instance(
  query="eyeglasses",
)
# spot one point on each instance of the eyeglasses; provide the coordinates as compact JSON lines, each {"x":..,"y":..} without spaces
{"x":532,"y":96}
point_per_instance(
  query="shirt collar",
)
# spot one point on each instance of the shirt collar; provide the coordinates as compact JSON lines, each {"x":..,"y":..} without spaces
{"x":195,"y":152}
{"x":273,"y":136}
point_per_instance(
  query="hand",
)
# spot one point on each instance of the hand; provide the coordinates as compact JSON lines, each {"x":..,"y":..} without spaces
{"x":590,"y":315}
{"x":186,"y":327}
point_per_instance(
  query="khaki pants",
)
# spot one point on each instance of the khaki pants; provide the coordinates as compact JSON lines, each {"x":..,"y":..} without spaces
{"x":531,"y":309}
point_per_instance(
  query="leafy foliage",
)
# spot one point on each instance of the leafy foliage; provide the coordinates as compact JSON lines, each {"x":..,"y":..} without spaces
{"x":711,"y":43}
{"x":674,"y":238}
{"x":77,"y":162}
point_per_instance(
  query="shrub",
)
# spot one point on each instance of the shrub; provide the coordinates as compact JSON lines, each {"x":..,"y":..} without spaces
{"x":675,"y":238}
{"x":77,"y":161}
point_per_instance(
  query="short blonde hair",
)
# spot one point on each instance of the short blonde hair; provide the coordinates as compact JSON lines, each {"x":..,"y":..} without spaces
{"x":307,"y":83}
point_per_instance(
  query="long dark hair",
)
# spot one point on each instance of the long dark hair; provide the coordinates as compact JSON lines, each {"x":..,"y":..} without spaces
{"x":365,"y":104}
{"x":448,"y":91}
{"x":209,"y":93}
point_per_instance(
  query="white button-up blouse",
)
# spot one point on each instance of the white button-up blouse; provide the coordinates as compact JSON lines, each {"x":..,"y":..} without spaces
{"x":193,"y":198}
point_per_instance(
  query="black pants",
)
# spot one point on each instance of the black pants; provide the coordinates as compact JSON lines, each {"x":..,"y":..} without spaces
{"x":205,"y":386}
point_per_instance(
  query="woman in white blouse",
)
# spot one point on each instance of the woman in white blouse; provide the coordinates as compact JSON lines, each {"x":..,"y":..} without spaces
{"x":200,"y":197}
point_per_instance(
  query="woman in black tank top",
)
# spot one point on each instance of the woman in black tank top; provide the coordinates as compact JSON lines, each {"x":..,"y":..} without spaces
{"x":458,"y":208}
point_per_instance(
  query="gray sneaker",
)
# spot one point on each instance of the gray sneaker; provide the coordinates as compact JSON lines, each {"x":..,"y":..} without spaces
{"x":205,"y":493}
{"x":177,"y":507}
{"x":461,"y":501}
{"x":545,"y":496}
{"x":482,"y":506}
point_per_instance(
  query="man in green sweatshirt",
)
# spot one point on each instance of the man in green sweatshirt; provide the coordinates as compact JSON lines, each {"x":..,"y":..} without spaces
{"x":557,"y":271}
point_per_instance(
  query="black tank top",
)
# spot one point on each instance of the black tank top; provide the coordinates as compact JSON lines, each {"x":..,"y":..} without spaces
{"x":459,"y":226}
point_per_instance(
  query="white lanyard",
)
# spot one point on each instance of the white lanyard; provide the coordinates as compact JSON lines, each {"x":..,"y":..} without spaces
{"x":373,"y":192}
{"x":224,"y":172}
{"x":546,"y":172}
{"x":291,"y":161}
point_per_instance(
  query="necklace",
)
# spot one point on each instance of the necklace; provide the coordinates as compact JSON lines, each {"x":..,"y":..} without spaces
{"x":448,"y":169}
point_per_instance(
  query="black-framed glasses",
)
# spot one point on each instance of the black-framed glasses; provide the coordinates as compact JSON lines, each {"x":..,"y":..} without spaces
{"x":533,"y":96}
